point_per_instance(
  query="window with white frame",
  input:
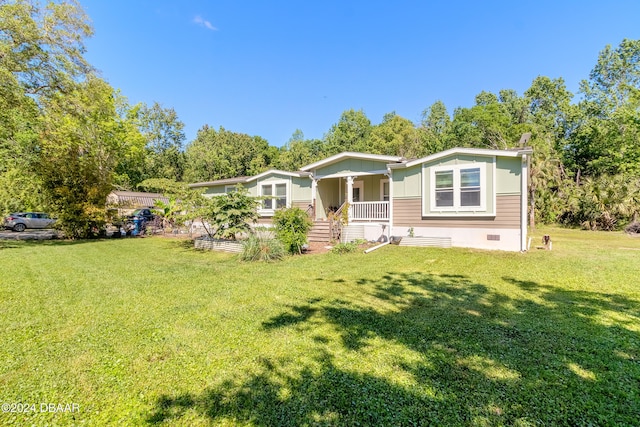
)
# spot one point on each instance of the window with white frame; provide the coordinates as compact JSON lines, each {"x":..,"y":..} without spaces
{"x":274,"y":194}
{"x":384,"y":190}
{"x":458,"y":188}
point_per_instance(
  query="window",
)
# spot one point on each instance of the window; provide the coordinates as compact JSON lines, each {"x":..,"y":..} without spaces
{"x":444,"y":189}
{"x":458,"y":188}
{"x":384,"y":190}
{"x":470,"y":187}
{"x":275,"y":196}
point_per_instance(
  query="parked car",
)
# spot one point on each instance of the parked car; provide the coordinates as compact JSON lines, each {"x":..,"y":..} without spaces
{"x":145,"y":214}
{"x":20,"y":221}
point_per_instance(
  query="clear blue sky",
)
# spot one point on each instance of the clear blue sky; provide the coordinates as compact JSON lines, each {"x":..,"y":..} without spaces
{"x":268,"y":68}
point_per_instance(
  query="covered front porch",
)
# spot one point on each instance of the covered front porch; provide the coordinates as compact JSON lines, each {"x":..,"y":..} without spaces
{"x":366,"y":197}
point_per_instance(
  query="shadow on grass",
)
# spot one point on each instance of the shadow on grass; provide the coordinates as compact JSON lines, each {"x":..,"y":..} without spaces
{"x":549,"y":356}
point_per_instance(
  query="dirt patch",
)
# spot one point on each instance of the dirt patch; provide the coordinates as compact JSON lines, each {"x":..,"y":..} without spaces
{"x":318,"y":248}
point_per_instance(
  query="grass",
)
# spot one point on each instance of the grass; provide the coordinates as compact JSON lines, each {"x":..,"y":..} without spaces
{"x":151,"y":332}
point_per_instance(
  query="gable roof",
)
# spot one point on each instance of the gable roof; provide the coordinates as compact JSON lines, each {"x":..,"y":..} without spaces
{"x":470,"y":151}
{"x":245,"y":179}
{"x":135,"y":198}
{"x":351,"y":155}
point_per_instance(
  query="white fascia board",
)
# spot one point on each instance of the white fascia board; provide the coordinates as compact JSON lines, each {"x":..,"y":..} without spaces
{"x":277,"y":172}
{"x":346,"y":174}
{"x":226,"y":181}
{"x":350,"y":155}
{"x":470,"y":151}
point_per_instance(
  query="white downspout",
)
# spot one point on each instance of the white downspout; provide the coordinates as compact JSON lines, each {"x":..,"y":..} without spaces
{"x":524,"y":193}
{"x":390,"y":175}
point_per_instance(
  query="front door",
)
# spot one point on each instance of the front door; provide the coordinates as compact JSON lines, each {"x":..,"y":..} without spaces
{"x":357,"y":191}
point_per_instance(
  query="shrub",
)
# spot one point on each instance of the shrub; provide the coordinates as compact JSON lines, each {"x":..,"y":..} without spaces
{"x":261,"y":249}
{"x":292,"y":226}
{"x":345,"y":248}
{"x":633,"y":228}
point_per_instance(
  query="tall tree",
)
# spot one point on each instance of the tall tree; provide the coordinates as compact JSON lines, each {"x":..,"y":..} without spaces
{"x":351,"y":133}
{"x":435,"y":126}
{"x":41,"y":54}
{"x":395,"y":136}
{"x":82,"y":141}
{"x":164,"y":134}
{"x":298,"y":152}
{"x":607,"y":138}
{"x":225,"y":154}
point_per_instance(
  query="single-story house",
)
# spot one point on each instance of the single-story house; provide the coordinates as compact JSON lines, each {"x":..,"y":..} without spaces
{"x":465,"y":197}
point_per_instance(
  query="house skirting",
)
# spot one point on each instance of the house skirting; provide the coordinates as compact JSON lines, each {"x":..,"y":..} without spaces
{"x":505,"y":239}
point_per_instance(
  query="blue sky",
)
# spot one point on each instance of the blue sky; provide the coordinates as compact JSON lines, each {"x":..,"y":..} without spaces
{"x":268,"y":68}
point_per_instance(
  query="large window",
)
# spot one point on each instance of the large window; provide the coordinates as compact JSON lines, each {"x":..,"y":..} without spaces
{"x":275,"y":196}
{"x":458,"y":188}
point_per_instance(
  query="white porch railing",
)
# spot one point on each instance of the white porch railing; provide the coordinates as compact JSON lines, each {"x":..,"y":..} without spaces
{"x":369,"y":211}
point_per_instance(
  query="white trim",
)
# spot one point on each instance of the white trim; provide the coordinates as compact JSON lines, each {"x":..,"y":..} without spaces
{"x":347,"y":174}
{"x":456,"y":169}
{"x":359,"y":185}
{"x":269,"y":212}
{"x":524,"y":204}
{"x":350,"y":155}
{"x":278,"y":172}
{"x":382,"y":182}
{"x":470,"y":151}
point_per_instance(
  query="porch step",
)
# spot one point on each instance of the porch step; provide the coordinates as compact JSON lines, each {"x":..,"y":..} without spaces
{"x":320,"y":232}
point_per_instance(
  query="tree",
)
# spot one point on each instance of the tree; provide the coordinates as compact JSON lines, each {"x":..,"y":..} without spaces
{"x":229,"y":215}
{"x":351,"y":133}
{"x":395,"y":136}
{"x":42,"y":47}
{"x":225,"y":154}
{"x":164,"y":135}
{"x":606,"y":140}
{"x":298,"y":152}
{"x":435,"y":126}
{"x":41,"y":54}
{"x":83,"y":137}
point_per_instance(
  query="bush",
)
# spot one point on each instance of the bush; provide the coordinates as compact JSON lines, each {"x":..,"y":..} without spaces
{"x":261,"y":249}
{"x":345,"y":248}
{"x":292,"y":226}
{"x":633,"y":228}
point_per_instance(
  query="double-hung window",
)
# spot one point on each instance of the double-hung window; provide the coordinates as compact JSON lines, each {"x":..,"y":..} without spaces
{"x":458,"y":188}
{"x":274,"y":196}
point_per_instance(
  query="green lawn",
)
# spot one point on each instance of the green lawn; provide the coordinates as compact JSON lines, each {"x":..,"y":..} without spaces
{"x":149,"y":331}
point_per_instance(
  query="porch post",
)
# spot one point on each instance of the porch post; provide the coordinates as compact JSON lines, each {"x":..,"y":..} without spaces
{"x":314,"y":192}
{"x":350,"y":189}
{"x":390,"y":175}
{"x":349,"y":196}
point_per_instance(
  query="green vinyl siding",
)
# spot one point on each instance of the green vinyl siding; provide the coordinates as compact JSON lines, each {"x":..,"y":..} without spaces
{"x":301,"y":189}
{"x":351,"y":166}
{"x":508,"y":173}
{"x":406,"y":182}
{"x":214,"y":191}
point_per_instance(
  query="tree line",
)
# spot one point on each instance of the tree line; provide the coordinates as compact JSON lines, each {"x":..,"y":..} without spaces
{"x":67,"y":138}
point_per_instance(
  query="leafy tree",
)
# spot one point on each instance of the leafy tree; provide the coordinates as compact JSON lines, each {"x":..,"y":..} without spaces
{"x":606,"y":138}
{"x":42,"y":47}
{"x":229,"y":215}
{"x":292,"y":226}
{"x":351,"y":133}
{"x":298,"y":152}
{"x":225,"y":154}
{"x":164,"y":135}
{"x":395,"y":136}
{"x":435,"y":126}
{"x":83,"y":138}
{"x":41,"y":54}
